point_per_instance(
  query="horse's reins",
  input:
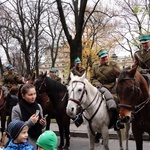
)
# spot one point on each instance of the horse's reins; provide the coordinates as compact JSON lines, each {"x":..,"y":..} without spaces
{"x":79,"y":102}
{"x":136,"y":108}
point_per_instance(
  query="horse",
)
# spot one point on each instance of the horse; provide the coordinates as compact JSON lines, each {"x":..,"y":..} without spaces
{"x":134,"y":107}
{"x":53,"y":97}
{"x":83,"y":93}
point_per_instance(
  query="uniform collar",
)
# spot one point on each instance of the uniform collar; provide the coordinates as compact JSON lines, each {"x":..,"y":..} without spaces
{"x":104,"y":64}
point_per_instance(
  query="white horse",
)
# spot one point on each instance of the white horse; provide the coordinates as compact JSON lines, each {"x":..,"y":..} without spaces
{"x":95,"y":113}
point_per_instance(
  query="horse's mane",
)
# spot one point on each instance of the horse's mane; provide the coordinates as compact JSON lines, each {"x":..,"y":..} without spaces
{"x":123,"y":73}
{"x":53,"y":85}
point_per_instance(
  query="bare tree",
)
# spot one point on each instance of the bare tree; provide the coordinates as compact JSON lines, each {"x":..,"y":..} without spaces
{"x":78,"y":13}
{"x":134,"y":21}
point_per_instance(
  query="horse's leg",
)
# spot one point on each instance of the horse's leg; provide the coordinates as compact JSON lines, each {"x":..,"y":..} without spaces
{"x":120,"y":139}
{"x":48,"y":121}
{"x":105,"y":136}
{"x":127,"y":134}
{"x":66,"y":121}
{"x":91,"y":139}
{"x":61,"y":132}
{"x":138,"y":137}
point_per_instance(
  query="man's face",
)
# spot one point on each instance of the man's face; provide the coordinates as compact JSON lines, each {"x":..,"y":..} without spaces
{"x":103,"y":60}
{"x":10,"y":71}
{"x":146,"y":45}
{"x":78,"y":65}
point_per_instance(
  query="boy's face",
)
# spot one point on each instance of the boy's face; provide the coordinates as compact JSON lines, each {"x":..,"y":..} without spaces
{"x":22,"y":137}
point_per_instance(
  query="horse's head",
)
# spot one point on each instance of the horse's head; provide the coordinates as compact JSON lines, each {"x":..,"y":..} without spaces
{"x":76,"y":91}
{"x":40,"y":84}
{"x":131,"y":90}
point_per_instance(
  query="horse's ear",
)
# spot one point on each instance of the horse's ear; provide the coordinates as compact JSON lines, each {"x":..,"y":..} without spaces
{"x":45,"y":74}
{"x":33,"y":77}
{"x":84,"y":75}
{"x":71,"y":75}
{"x":133,"y":71}
{"x":116,"y":71}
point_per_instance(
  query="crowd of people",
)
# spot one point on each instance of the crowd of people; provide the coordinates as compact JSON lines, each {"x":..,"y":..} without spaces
{"x":27,"y":128}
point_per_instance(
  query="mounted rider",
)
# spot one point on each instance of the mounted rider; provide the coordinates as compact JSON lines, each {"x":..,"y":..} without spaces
{"x":53,"y":75}
{"x":104,"y":78}
{"x":10,"y":79}
{"x":77,"y":69}
{"x":142,"y":57}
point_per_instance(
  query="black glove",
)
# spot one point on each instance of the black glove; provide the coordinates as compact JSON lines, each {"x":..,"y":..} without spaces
{"x":98,"y":86}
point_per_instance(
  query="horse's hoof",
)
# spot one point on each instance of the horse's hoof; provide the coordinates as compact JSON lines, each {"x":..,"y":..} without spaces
{"x":65,"y":148}
{"x":96,"y":140}
{"x":59,"y":147}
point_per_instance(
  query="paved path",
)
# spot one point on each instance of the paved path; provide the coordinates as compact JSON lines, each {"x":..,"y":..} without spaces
{"x":82,"y":132}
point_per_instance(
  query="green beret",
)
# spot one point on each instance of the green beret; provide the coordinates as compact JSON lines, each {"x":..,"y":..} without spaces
{"x":102,"y":53}
{"x":53,"y":70}
{"x":77,"y":60}
{"x":144,"y":38}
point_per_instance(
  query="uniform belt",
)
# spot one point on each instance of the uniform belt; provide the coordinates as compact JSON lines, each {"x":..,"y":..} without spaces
{"x":107,"y":82}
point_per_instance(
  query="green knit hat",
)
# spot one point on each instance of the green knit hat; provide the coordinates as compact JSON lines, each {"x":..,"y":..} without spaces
{"x":47,"y":140}
{"x":144,"y":38}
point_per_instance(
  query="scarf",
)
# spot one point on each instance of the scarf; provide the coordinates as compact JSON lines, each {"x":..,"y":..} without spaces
{"x":27,"y":110}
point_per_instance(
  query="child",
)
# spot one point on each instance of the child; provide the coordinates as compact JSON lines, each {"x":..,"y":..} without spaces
{"x":29,"y":111}
{"x":18,"y":131}
{"x":47,"y":141}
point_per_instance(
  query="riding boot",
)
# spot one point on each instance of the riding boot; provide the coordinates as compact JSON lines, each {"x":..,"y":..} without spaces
{"x":117,"y":123}
{"x":97,"y":137}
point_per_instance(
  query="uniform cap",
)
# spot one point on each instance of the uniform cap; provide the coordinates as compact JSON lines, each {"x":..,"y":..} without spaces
{"x":15,"y":127}
{"x":47,"y":140}
{"x":144,"y":38}
{"x":53,"y":70}
{"x":10,"y":67}
{"x":102,"y":53}
{"x":77,"y":60}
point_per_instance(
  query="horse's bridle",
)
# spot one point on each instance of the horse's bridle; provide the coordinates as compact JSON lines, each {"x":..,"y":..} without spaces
{"x":80,"y":99}
{"x":135,"y":109}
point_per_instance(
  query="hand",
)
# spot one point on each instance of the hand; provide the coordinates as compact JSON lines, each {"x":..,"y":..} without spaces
{"x":34,"y":118}
{"x":42,"y":121}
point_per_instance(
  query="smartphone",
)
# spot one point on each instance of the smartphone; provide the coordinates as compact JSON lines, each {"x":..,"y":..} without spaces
{"x":37,"y":112}
{"x":46,"y":116}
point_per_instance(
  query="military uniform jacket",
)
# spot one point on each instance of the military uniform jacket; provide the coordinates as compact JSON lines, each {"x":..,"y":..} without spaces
{"x":142,"y":58}
{"x":104,"y":74}
{"x":78,"y":71}
{"x":58,"y":79}
{"x":10,"y":80}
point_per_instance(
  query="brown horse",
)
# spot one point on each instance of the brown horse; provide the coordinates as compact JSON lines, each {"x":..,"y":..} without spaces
{"x":133,"y":92}
{"x":53,"y":97}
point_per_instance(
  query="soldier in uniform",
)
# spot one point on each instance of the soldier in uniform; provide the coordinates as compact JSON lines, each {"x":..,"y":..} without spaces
{"x":104,"y":79}
{"x":11,"y":78}
{"x":77,"y":69}
{"x":142,"y":57}
{"x":53,"y":75}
